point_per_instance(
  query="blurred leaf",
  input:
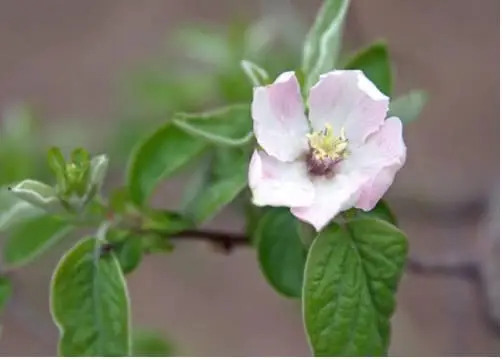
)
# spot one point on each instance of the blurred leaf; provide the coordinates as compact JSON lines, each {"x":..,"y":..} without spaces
{"x":119,"y":199}
{"x":39,"y":195}
{"x":227,"y":126}
{"x":351,"y":278}
{"x":57,"y":163}
{"x":200,"y":176}
{"x":30,"y":239}
{"x":281,"y":253}
{"x":130,"y":253}
{"x":228,"y":178}
{"x":150,"y":344}
{"x":204,"y":44}
{"x":257,"y":76}
{"x":408,"y":107}
{"x":374,"y":61}
{"x":14,"y":210}
{"x":215,"y":197}
{"x":383,"y":211}
{"x":323,"y":42}
{"x":80,"y":157}
{"x":158,"y":157}
{"x":156,"y":243}
{"x":165,"y":221}
{"x":99,"y":168}
{"x":5,"y":292}
{"x":90,"y":303}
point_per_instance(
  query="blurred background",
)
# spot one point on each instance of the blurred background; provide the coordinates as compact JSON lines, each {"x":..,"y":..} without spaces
{"x":102,"y":73}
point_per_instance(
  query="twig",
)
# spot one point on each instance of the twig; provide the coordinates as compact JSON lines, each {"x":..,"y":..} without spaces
{"x":464,"y":269}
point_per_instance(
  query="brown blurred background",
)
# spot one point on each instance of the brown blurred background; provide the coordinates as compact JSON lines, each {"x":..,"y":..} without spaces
{"x":67,"y":56}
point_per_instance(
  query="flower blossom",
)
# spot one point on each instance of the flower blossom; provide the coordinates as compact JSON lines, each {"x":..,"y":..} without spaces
{"x":345,"y":155}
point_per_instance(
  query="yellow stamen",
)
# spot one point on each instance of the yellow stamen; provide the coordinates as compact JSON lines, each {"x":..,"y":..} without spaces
{"x":325,"y":145}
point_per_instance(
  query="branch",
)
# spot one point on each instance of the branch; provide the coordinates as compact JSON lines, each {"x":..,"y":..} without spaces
{"x":463,"y":269}
{"x":226,"y":241}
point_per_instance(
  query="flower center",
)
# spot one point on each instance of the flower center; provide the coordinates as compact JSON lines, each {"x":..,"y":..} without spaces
{"x":326,"y":150}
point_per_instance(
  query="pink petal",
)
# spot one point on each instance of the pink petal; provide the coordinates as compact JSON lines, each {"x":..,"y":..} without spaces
{"x":276,"y":183}
{"x":331,"y":197}
{"x":378,"y":160}
{"x":372,"y":191}
{"x":279,"y":118}
{"x":348,"y":99}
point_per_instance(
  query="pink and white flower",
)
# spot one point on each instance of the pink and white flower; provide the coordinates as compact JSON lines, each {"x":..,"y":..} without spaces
{"x":345,"y":155}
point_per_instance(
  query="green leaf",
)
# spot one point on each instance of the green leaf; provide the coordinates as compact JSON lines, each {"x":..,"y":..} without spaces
{"x":80,"y":157}
{"x":39,"y":195}
{"x":228,"y":179}
{"x":227,"y":126}
{"x":148,"y":343}
{"x":351,"y":278}
{"x":130,"y":253}
{"x":56,"y":161}
{"x":408,"y":107}
{"x":323,"y":42}
{"x":200,"y":176}
{"x":98,"y":170}
{"x":383,"y":211}
{"x":156,"y":243}
{"x":90,"y":303}
{"x":14,"y":210}
{"x":374,"y":61}
{"x":158,"y":157}
{"x":257,"y":76}
{"x":167,"y":222}
{"x":281,"y":253}
{"x":215,"y":197}
{"x":57,"y":164}
{"x":119,"y":200}
{"x":5,"y":292}
{"x":30,"y":239}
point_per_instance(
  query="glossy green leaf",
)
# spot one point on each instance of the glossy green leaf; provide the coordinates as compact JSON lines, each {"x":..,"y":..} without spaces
{"x":374,"y":61}
{"x":351,"y":278}
{"x":409,"y":106}
{"x":323,"y":42}
{"x":130,"y":253}
{"x":90,"y":303}
{"x":281,"y":253}
{"x":5,"y":292}
{"x":257,"y":76}
{"x":158,"y":157}
{"x":228,"y":126}
{"x":29,"y":239}
{"x":148,"y":343}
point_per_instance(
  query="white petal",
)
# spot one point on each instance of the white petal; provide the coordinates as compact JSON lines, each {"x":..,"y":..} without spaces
{"x":378,"y":160}
{"x":332,"y":196}
{"x":279,"y":118}
{"x":348,"y":99}
{"x":276,"y":183}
